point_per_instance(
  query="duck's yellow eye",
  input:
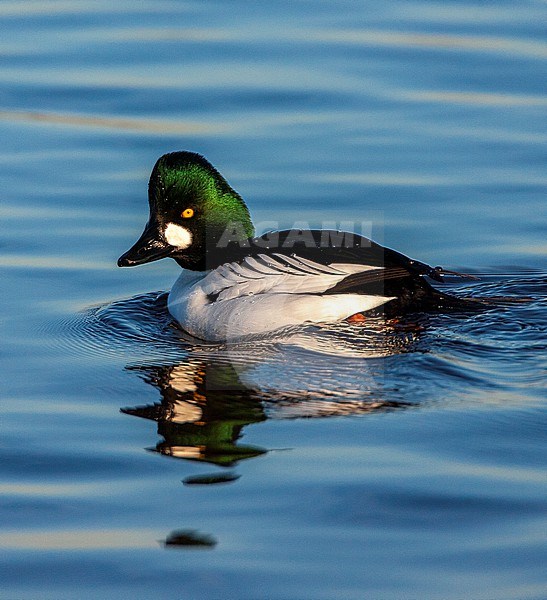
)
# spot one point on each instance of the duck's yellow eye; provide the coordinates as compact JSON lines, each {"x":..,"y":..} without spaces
{"x":187,"y":213}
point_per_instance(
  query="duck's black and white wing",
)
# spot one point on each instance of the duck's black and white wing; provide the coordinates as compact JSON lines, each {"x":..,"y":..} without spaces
{"x":277,"y":273}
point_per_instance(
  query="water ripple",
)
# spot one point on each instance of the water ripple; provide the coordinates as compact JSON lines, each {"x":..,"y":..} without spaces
{"x":499,"y":349}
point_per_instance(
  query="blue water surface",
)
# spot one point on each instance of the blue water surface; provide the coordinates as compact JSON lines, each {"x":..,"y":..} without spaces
{"x":357,"y":462}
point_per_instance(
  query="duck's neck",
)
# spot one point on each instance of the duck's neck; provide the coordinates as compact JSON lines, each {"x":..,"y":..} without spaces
{"x":221,"y":246}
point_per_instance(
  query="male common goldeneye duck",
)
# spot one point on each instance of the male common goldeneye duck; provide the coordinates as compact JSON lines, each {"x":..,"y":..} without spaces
{"x":234,"y":284}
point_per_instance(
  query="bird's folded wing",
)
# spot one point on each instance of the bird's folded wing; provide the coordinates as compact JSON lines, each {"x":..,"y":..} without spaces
{"x":369,"y":282}
{"x":278,"y":274}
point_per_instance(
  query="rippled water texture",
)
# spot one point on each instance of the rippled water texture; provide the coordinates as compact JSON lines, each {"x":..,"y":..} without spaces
{"x":375,"y":460}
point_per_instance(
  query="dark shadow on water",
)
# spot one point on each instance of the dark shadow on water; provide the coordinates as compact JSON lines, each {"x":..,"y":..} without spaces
{"x":189,"y":538}
{"x":210,"y":479}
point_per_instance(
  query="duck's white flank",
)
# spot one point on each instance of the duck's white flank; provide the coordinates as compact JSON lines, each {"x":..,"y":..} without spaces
{"x":264,"y":294}
{"x":177,"y":236}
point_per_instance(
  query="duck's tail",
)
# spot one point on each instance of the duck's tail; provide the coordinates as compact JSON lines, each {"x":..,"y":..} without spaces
{"x":441,"y":302}
{"x":437,"y":273}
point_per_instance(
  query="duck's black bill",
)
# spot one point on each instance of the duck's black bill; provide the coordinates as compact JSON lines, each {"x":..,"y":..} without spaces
{"x":146,"y":249}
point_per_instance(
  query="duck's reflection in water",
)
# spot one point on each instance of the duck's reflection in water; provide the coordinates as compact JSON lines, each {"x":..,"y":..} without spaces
{"x":211,"y":396}
{"x":200,"y":417}
{"x":208,"y":399}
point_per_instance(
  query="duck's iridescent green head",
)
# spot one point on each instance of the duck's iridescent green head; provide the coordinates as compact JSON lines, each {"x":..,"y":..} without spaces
{"x":192,"y":209}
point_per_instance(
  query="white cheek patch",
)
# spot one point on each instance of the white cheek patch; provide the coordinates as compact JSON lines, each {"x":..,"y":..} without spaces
{"x":177,"y":236}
